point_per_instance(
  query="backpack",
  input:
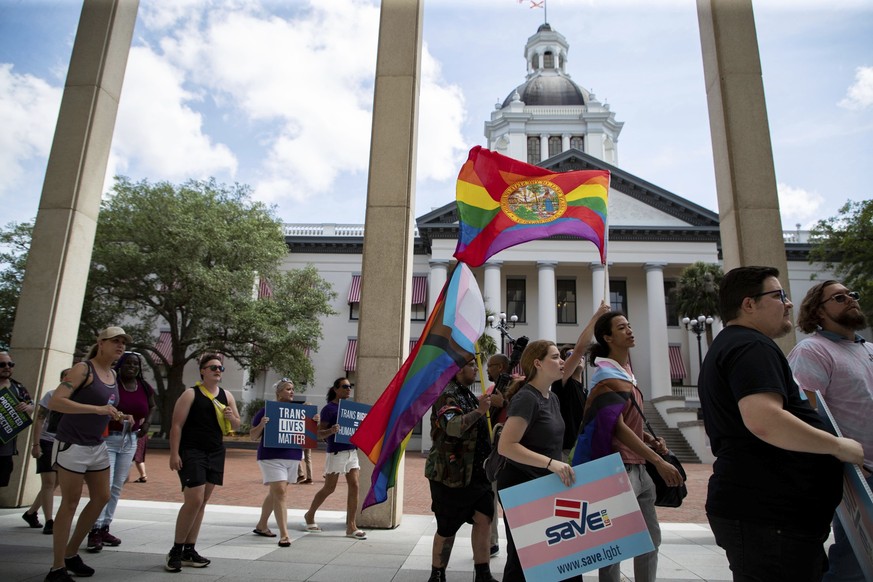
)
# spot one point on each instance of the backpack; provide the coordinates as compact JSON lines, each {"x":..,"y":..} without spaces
{"x":495,"y":461}
{"x":54,"y":418}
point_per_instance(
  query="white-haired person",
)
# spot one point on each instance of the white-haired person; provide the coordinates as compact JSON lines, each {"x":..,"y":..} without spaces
{"x":278,"y":466}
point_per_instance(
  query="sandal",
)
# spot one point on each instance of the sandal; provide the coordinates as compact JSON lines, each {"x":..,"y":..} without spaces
{"x":142,"y":480}
{"x":311,"y":528}
{"x":284,"y":543}
{"x":357,"y":534}
{"x":263,"y":532}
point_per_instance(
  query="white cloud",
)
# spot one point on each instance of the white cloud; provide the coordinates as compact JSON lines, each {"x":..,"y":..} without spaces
{"x":860,"y":93}
{"x":158,"y":133}
{"x":28,"y":113}
{"x":799,"y":206}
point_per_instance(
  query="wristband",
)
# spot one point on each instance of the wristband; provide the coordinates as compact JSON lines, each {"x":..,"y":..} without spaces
{"x":550,"y":464}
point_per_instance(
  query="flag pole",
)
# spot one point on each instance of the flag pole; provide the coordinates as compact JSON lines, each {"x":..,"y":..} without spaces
{"x":484,"y":389}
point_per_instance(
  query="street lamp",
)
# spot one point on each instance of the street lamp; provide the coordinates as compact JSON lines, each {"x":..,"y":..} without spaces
{"x":502,"y":325}
{"x":698,"y":326}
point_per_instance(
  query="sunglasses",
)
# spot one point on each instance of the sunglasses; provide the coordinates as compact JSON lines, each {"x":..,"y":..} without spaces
{"x":783,"y":297}
{"x":214,"y":368}
{"x":346,"y":386}
{"x":843,"y":297}
{"x":7,"y":364}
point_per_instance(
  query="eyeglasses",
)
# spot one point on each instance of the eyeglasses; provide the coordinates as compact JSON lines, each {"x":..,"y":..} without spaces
{"x":782,"y":295}
{"x":5,"y":364}
{"x":843,"y":297}
{"x":214,"y":368}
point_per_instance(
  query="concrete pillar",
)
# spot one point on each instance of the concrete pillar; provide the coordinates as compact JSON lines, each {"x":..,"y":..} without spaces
{"x":659,"y":355}
{"x":547,"y":300}
{"x":598,"y":273}
{"x":50,"y":306}
{"x":565,"y":142}
{"x":492,"y":297}
{"x":750,"y":224}
{"x":544,"y":145}
{"x":439,"y":273}
{"x":383,"y":329}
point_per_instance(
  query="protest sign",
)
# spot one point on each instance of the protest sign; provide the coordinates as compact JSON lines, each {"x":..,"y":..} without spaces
{"x":349,"y":417}
{"x":561,"y":532}
{"x":856,"y":509}
{"x":291,"y":426}
{"x":12,"y":422}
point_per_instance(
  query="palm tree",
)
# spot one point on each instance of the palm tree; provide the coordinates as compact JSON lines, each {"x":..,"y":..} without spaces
{"x":696,"y":292}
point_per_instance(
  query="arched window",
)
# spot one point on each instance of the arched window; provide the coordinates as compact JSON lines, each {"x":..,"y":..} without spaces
{"x":576,"y":142}
{"x":549,"y":60}
{"x":554,"y":145}
{"x":533,"y":150}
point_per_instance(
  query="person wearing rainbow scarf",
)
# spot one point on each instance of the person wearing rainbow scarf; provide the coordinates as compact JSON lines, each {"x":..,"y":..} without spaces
{"x":202,"y":416}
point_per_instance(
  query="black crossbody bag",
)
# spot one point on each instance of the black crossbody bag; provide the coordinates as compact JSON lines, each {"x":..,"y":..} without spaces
{"x":665,"y":496}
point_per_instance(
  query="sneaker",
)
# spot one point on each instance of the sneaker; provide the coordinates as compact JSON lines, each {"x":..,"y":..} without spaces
{"x":174,"y":561}
{"x":191,"y":558}
{"x":32,"y":519}
{"x":78,"y":567}
{"x":49,"y":527}
{"x":59,"y":575}
{"x":495,"y":549}
{"x":108,"y":538}
{"x":95,"y":541}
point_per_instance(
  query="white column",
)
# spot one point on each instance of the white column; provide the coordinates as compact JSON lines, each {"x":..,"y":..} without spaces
{"x":565,"y":142}
{"x":439,"y":272}
{"x":659,"y":356}
{"x":544,"y":146}
{"x":491,"y":294}
{"x":598,"y":272}
{"x":547,"y":300}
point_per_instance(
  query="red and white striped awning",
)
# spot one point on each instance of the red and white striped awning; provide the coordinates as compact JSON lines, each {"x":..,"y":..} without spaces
{"x":419,"y":289}
{"x":351,"y":361}
{"x":677,"y":366}
{"x":412,"y":344}
{"x":164,"y":346}
{"x":355,"y":289}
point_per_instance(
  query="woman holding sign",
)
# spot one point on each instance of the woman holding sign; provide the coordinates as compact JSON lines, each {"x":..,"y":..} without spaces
{"x":533,"y":434}
{"x":278,"y":467}
{"x":341,"y":459}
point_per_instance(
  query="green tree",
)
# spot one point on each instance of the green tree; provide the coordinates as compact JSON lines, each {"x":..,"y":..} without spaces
{"x":844,"y":245}
{"x":14,"y":242}
{"x":187,"y":258}
{"x":696,"y":292}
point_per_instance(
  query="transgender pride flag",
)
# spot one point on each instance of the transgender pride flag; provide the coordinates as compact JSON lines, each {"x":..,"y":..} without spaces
{"x":561,"y":532}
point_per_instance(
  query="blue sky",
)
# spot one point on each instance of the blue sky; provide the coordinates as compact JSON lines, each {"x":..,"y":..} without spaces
{"x":278,"y":95}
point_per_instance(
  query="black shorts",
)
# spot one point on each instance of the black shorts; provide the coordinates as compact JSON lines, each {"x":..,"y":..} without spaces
{"x":201,"y":467}
{"x":455,"y":506}
{"x":5,"y":470}
{"x":44,"y":462}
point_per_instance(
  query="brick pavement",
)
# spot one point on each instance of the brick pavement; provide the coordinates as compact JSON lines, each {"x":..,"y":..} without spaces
{"x":243,"y":487}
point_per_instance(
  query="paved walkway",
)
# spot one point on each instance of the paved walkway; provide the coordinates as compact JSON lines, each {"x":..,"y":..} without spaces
{"x":147,"y":512}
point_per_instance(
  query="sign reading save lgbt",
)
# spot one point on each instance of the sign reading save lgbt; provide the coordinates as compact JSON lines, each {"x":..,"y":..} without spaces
{"x":561,"y":532}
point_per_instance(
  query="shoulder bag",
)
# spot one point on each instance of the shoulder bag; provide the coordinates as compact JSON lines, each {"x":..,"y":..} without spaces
{"x":665,"y":496}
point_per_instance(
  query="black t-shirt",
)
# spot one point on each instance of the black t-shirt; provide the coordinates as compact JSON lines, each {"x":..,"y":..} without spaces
{"x":545,"y":428}
{"x":753,"y":480}
{"x":572,"y":396}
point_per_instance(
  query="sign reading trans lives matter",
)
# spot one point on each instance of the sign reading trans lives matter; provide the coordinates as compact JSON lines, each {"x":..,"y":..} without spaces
{"x":291,"y":426}
{"x":561,"y":531}
{"x":12,"y":422}
{"x":349,"y":416}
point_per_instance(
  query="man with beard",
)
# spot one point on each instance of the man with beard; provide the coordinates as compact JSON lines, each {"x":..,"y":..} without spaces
{"x":838,"y":362}
{"x":777,"y":477}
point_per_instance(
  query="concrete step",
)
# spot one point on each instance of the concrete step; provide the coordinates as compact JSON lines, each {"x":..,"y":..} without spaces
{"x":672,"y":436}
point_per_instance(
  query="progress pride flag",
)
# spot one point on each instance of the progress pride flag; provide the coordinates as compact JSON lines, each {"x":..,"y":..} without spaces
{"x":560,"y":532}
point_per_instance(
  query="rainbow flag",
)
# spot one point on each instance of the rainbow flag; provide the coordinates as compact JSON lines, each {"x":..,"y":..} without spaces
{"x":447,"y":343}
{"x":503,"y":202}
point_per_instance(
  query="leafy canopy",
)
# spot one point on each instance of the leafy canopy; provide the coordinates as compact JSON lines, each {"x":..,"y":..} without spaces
{"x":844,"y":245}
